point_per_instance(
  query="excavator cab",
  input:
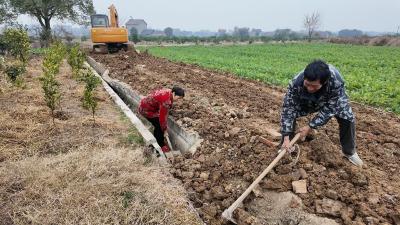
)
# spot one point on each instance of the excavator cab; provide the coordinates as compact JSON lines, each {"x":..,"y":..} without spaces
{"x":99,"y":20}
{"x":106,"y":34}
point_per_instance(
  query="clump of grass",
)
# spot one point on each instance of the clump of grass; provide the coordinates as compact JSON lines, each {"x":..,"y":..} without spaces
{"x":132,"y":137}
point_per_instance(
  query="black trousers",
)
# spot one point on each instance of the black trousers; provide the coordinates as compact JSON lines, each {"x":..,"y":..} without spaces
{"x":158,"y":133}
{"x":347,"y":135}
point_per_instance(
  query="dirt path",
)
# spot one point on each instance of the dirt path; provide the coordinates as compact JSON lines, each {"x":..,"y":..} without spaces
{"x":75,"y":172}
{"x":230,"y":113}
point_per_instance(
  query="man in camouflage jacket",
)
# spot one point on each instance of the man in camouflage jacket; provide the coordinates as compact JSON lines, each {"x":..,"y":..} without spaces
{"x":319,"y":88}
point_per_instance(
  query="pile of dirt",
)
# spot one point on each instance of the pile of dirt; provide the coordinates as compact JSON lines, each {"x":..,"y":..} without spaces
{"x":74,"y":171}
{"x":231,"y":114}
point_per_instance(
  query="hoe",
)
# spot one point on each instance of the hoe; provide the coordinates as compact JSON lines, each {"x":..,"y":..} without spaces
{"x":228,"y":213}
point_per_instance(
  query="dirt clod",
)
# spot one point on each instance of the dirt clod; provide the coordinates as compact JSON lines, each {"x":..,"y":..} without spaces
{"x":329,"y":207}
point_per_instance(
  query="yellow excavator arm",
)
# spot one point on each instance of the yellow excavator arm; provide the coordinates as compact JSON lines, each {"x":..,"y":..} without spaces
{"x":113,"y":16}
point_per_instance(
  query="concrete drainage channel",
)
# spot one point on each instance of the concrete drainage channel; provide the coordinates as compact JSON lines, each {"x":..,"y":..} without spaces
{"x":182,"y":141}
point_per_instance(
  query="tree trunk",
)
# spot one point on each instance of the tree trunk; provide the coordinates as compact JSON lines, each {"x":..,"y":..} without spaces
{"x":52,"y":116}
{"x":46,"y":33}
{"x":94,"y":121}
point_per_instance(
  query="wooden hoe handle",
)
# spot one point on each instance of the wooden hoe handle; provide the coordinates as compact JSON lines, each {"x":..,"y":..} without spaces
{"x":228,"y":213}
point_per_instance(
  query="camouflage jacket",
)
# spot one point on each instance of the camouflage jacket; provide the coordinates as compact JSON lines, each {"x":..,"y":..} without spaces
{"x":331,"y":100}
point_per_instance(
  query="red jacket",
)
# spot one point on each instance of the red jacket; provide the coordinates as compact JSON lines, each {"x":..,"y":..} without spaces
{"x":157,"y":104}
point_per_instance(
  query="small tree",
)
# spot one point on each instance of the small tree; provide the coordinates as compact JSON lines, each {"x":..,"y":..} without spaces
{"x":242,"y":33}
{"x":169,"y":32}
{"x":53,"y":58}
{"x":89,"y":101}
{"x":51,"y":64}
{"x":265,"y":39}
{"x":17,"y":43}
{"x":312,"y":23}
{"x":134,"y":36}
{"x":76,"y":59}
{"x":51,"y":89}
{"x":282,"y":35}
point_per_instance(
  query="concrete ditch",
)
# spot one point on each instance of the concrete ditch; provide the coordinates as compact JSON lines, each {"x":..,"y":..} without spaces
{"x":181,"y":140}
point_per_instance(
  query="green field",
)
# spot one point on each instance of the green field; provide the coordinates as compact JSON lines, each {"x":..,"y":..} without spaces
{"x":372,"y":74}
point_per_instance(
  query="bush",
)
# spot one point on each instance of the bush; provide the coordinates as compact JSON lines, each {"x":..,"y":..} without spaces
{"x":76,"y":59}
{"x":51,"y":64}
{"x":51,"y":91}
{"x":14,"y":71}
{"x":53,"y":58}
{"x":266,"y":39}
{"x":91,"y":82}
{"x":17,"y":43}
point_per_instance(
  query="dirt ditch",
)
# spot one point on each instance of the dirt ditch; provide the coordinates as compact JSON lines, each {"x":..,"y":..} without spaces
{"x":231,"y":114}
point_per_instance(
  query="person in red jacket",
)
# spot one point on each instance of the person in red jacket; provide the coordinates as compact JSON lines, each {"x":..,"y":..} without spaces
{"x":155,"y":106}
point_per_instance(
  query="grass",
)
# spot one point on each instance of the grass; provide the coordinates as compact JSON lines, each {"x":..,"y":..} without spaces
{"x":372,"y":74}
{"x":132,"y":136}
{"x":96,"y":186}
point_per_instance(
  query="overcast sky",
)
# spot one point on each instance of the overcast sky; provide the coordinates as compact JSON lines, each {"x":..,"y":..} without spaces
{"x":366,"y":15}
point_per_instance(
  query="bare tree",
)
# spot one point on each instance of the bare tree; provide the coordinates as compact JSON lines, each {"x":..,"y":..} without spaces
{"x":312,"y":23}
{"x":65,"y":34}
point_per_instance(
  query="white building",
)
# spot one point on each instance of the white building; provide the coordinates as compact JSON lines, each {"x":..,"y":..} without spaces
{"x":139,"y":24}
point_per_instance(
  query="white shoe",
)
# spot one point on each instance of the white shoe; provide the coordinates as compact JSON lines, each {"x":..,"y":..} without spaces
{"x":355,"y":159}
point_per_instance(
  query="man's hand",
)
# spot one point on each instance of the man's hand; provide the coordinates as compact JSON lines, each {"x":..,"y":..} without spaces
{"x":286,"y":142}
{"x":304,"y":132}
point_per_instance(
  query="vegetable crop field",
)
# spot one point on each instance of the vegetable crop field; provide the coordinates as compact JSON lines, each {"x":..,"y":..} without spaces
{"x":372,"y":74}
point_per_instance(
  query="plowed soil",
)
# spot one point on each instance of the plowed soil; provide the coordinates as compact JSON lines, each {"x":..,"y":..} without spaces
{"x":231,"y":114}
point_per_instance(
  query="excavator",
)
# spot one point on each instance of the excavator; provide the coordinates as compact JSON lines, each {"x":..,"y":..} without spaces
{"x":106,"y":35}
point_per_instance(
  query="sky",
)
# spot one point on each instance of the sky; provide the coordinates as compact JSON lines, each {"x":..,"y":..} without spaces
{"x":268,"y":15}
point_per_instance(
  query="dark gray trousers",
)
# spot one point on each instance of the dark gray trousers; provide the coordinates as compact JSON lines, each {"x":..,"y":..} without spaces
{"x":347,"y":135}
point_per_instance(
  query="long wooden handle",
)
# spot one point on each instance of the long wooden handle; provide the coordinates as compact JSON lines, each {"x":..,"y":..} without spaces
{"x":260,"y":177}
